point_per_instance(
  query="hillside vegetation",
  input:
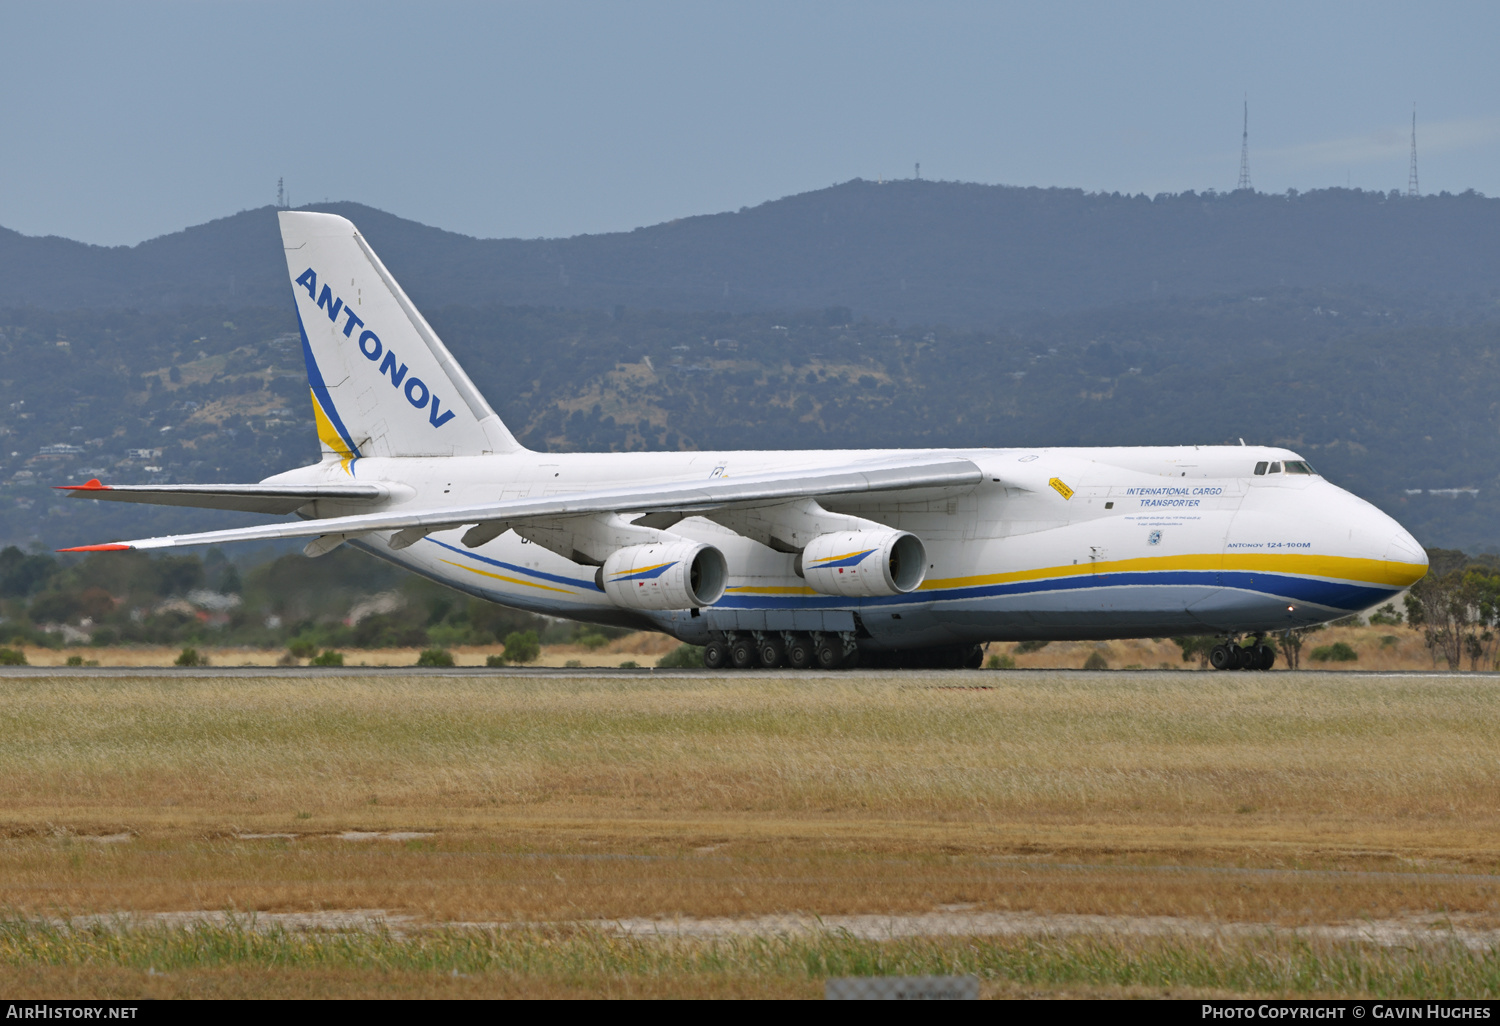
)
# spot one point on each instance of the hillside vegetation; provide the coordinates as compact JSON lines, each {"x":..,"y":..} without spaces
{"x":1393,"y":398}
{"x":928,"y":252}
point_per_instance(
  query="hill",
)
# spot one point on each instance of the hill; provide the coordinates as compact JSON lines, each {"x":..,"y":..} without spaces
{"x":920,"y":252}
{"x":1394,"y":400}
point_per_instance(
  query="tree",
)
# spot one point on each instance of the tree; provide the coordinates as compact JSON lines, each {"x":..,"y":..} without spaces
{"x":522,"y":647}
{"x":1291,"y":643}
{"x":1481,"y":592}
{"x":1457,"y":608}
{"x":1196,"y":647}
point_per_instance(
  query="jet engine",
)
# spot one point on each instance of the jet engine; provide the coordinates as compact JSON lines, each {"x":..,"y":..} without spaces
{"x":864,"y":564}
{"x":678,"y":574}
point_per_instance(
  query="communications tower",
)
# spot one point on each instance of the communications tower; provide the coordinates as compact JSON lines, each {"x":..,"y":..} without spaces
{"x":1245,"y":151}
{"x":1411,"y":178}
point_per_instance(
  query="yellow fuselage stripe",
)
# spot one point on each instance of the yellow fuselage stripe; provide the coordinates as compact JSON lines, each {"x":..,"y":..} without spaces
{"x":507,"y":580}
{"x":1345,"y":568}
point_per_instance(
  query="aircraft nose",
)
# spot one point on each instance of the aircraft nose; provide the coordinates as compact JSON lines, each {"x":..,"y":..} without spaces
{"x":1403,"y":548}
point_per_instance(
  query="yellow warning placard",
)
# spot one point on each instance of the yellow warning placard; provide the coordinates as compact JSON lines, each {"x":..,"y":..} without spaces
{"x":1062,"y":489}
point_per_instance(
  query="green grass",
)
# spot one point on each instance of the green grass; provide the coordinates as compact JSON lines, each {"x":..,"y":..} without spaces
{"x":1268,"y":967}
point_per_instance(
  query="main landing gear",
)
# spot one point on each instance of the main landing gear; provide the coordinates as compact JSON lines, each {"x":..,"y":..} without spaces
{"x":1232,"y":654}
{"x":801,"y":650}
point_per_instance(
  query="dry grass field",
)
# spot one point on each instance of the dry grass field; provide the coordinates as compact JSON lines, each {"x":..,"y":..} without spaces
{"x":557,"y":833}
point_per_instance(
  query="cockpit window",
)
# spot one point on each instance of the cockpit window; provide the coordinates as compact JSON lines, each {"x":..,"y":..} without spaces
{"x":1275,"y":468}
{"x":1260,"y":468}
{"x":1299,"y":467}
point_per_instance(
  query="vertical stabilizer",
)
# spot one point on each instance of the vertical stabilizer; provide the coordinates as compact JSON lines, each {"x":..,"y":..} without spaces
{"x":382,"y":382}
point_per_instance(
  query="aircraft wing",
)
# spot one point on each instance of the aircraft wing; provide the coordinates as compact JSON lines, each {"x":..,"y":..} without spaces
{"x":932,"y":471}
{"x":247,"y":498}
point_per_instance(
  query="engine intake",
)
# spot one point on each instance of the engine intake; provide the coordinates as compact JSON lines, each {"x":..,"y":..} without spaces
{"x":864,"y":564}
{"x":679,"y":574}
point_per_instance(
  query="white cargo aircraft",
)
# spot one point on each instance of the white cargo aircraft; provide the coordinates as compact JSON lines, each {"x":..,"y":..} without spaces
{"x":804,"y":558}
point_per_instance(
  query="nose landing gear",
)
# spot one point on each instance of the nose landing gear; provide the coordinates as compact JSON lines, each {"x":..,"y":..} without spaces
{"x":1234,"y":654}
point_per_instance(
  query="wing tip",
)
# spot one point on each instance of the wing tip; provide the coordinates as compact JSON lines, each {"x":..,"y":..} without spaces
{"x":113,"y":547}
{"x":93,"y":484}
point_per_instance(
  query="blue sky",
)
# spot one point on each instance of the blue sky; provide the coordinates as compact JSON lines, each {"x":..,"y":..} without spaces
{"x":121,"y":122}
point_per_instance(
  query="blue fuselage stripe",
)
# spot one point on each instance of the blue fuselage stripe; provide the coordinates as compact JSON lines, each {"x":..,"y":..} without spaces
{"x":1335,"y":594}
{"x":526,"y":571}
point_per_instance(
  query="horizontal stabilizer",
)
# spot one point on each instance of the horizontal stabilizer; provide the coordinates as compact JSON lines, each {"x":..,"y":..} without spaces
{"x":247,"y":498}
{"x":918,"y":471}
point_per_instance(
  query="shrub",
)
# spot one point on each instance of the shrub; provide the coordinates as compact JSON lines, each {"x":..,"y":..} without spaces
{"x":1095,"y":661}
{"x":683,"y":657}
{"x":302,"y":648}
{"x":630,"y":664}
{"x":12,"y":657}
{"x":1386,"y":616}
{"x":1000,"y":662}
{"x":494,"y":661}
{"x":75,"y":660}
{"x":1031,"y":646}
{"x":1338,"y":652}
{"x":591,"y":640}
{"x":435,"y":657}
{"x":573,"y":664}
{"x":522,"y":647}
{"x":328,"y":658}
{"x":190,"y":657}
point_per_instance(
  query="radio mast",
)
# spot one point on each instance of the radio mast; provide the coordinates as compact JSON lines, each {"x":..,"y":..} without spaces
{"x":1245,"y":150}
{"x":1411,"y":179}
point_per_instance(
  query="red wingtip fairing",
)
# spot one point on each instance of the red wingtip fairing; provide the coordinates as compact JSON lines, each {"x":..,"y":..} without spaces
{"x":97,"y":548}
{"x":93,"y":484}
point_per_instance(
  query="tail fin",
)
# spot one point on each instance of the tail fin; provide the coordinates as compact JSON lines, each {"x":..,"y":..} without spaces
{"x":382,"y":383}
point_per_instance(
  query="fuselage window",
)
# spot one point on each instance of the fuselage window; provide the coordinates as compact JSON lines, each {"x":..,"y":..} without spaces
{"x":1298,"y":467}
{"x":1275,"y":468}
{"x":1260,"y":468}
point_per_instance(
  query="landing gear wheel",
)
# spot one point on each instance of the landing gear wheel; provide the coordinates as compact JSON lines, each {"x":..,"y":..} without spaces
{"x":742,"y":654}
{"x":1221,"y":658}
{"x":799,"y":652}
{"x":716,"y":655}
{"x":829,"y":654}
{"x":851,"y":660}
{"x":1267,"y":657}
{"x":772,"y":653}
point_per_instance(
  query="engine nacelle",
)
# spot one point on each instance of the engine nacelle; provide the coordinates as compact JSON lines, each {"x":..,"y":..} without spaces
{"x":678,"y":574}
{"x":864,"y":564}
